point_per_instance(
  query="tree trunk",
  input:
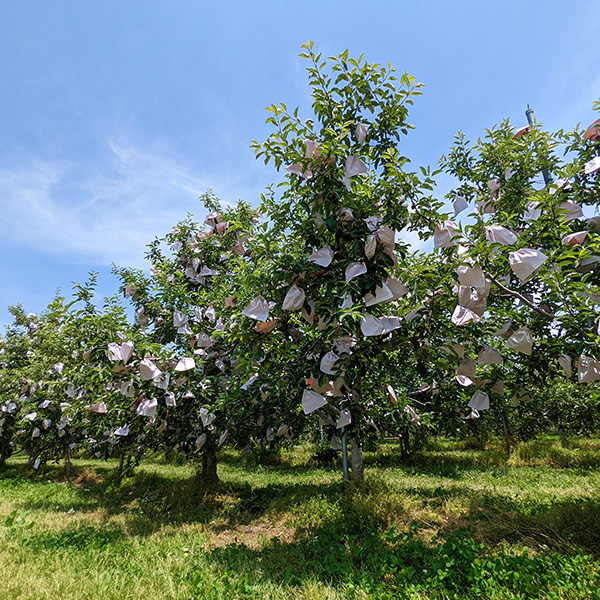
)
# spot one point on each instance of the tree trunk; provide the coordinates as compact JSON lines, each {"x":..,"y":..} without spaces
{"x":510,"y":439}
{"x":209,"y":466}
{"x":127,"y":465}
{"x":356,"y":461}
{"x":356,"y":457}
{"x":68,"y":464}
{"x":405,"y":442}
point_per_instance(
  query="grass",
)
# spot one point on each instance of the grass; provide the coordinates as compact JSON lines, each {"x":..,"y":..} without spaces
{"x":455,"y":522}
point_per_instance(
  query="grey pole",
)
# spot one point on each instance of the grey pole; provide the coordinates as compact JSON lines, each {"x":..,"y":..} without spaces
{"x":345,"y":452}
{"x":529,"y":115}
{"x":531,"y":121}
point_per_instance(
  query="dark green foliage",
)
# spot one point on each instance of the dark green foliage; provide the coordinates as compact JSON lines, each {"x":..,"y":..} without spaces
{"x":391,"y":564}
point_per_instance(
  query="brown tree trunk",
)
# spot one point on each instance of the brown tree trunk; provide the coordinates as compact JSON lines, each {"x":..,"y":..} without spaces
{"x":68,"y":464}
{"x":209,"y":466}
{"x":356,"y":461}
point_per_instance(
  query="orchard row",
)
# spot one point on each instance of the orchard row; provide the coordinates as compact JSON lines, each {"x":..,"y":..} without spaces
{"x":260,"y":325}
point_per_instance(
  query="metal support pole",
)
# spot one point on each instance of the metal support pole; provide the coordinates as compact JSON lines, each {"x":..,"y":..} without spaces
{"x":531,"y":121}
{"x":345,"y":452}
{"x":529,"y":115}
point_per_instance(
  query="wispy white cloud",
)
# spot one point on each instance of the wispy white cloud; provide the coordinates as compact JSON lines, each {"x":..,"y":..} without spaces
{"x":103,"y":213}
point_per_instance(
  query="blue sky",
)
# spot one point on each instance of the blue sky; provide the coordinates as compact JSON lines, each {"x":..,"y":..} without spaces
{"x":117,"y":115}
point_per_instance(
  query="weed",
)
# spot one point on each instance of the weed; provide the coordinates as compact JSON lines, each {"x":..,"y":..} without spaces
{"x":17,"y":520}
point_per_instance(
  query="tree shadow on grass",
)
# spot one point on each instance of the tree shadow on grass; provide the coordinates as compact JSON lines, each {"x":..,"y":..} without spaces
{"x":384,"y":563}
{"x":150,"y":501}
{"x":358,"y":546}
{"x":563,"y":526}
{"x":84,"y":538}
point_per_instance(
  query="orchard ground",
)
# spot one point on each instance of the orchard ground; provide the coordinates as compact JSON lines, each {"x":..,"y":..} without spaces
{"x":461,"y":519}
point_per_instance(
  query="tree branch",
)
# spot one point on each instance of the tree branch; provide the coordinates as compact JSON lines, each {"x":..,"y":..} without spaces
{"x":523,"y":299}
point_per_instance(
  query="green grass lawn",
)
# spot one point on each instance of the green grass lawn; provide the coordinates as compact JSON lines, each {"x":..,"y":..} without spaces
{"x":454,"y":523}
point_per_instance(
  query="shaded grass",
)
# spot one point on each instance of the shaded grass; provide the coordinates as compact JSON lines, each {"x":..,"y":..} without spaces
{"x":288,"y":529}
